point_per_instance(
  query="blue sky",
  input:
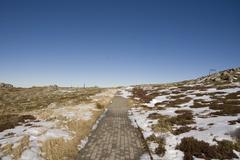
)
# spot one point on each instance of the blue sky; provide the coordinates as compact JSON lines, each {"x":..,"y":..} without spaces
{"x":109,"y":43}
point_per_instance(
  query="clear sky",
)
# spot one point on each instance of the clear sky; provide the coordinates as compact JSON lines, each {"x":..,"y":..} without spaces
{"x":109,"y":43}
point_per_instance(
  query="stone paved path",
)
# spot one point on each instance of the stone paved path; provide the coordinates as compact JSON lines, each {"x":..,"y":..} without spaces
{"x":114,"y":138}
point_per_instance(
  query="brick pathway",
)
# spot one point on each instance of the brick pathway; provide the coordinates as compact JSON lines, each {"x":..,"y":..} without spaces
{"x":114,"y":138}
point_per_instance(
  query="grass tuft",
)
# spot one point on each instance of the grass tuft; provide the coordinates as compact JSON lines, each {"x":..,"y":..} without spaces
{"x":160,"y":150}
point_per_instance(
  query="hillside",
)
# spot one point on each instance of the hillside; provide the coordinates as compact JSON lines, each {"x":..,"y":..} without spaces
{"x":48,"y":122}
{"x":191,"y":119}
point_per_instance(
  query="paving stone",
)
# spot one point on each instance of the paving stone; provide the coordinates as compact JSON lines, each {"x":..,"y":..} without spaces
{"x":114,"y":138}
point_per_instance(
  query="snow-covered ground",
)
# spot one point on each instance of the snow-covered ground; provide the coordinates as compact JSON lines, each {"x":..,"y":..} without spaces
{"x":206,"y":127}
{"x":125,"y":92}
{"x":158,"y":99}
{"x":106,"y":94}
{"x":52,"y":123}
{"x":78,"y":112}
{"x":41,"y":130}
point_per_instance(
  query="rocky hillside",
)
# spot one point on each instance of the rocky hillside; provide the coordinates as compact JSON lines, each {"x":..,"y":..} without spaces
{"x":5,"y":85}
{"x":226,"y":76}
{"x":195,"y":119}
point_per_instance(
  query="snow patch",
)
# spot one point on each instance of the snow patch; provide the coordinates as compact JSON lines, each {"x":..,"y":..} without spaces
{"x":158,"y":99}
{"x":125,"y":92}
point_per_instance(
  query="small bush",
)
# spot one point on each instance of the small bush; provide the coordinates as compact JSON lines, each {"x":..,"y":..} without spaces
{"x":11,"y":120}
{"x":230,"y":105}
{"x":183,"y":129}
{"x":178,"y":101}
{"x":163,"y":124}
{"x":178,"y":96}
{"x":183,"y":119}
{"x":143,"y":94}
{"x":183,"y":111}
{"x":236,"y":134}
{"x":233,"y":122}
{"x":155,"y":116}
{"x":166,"y":123}
{"x":99,"y":106}
{"x":200,"y":149}
{"x":160,"y":150}
{"x":196,"y":87}
{"x":198,"y":103}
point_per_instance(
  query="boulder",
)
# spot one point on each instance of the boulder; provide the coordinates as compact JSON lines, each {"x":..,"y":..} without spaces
{"x":5,"y":85}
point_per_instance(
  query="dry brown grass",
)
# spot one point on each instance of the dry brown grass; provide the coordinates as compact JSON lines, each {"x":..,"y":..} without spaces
{"x":68,"y":149}
{"x":21,"y":147}
{"x":132,"y":103}
{"x":17,"y":105}
{"x":99,"y":105}
{"x":16,"y":151}
{"x":58,"y":149}
{"x":163,"y":124}
{"x":160,"y":150}
{"x":20,"y":100}
{"x":11,"y":120}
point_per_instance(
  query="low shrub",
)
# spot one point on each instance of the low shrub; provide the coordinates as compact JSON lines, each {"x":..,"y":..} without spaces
{"x":178,"y":101}
{"x":160,"y":150}
{"x":11,"y":120}
{"x":99,"y":106}
{"x":200,"y":149}
{"x":183,"y":129}
{"x":183,"y":119}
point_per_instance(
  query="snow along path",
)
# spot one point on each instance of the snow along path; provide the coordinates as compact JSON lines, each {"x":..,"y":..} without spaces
{"x":115,"y":138}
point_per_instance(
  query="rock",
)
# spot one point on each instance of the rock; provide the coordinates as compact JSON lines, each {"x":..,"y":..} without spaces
{"x":5,"y":85}
{"x":230,"y":75}
{"x":53,"y":86}
{"x":226,"y":76}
